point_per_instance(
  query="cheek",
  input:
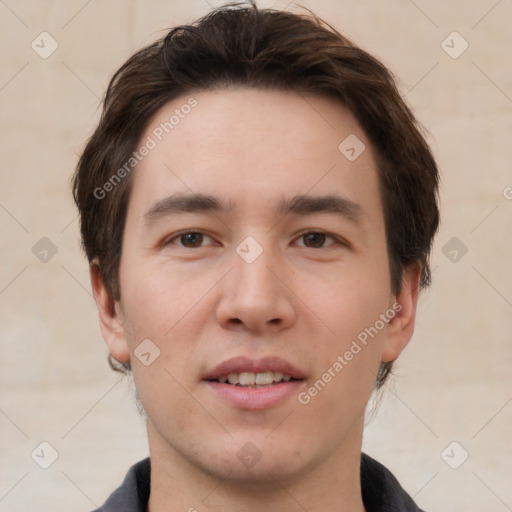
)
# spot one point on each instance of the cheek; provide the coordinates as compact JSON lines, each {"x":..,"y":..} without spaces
{"x":157,"y":297}
{"x":345,"y":377}
{"x":349,"y":351}
{"x":345,"y":302}
{"x":165,"y":307}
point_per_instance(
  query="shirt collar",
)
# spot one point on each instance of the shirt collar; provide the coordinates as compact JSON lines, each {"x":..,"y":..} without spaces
{"x":380,"y":489}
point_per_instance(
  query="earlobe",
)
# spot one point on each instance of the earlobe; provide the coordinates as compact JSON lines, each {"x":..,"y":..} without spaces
{"x":401,"y":327}
{"x":110,"y":316}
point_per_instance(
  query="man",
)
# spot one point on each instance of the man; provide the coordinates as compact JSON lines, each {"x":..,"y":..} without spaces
{"x":258,"y":207}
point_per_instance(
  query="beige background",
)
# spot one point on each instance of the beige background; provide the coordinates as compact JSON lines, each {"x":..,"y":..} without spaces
{"x":453,"y":382}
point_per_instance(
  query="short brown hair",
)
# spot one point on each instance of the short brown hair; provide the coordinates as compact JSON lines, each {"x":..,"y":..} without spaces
{"x":241,"y":45}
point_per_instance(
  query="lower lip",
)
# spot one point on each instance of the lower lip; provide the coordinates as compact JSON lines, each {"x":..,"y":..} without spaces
{"x":256,"y":398}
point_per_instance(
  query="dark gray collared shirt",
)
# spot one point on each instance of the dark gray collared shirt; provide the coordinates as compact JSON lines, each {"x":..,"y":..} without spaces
{"x":380,"y":489}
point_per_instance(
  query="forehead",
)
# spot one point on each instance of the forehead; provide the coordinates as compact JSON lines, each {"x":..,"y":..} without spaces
{"x":255,"y":146}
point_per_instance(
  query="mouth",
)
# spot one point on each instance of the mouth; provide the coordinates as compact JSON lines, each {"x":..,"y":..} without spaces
{"x":255,"y":383}
{"x":244,"y":371}
{"x":254,"y":380}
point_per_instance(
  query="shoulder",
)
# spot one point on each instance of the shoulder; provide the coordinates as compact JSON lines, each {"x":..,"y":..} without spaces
{"x":381,"y":490}
{"x":133,"y":494}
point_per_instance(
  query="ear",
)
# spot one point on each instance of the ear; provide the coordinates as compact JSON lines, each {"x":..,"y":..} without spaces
{"x":401,"y":326}
{"x":111,"y":318}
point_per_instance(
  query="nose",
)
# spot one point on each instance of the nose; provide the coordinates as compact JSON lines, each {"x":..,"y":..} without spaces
{"x":256,"y":296}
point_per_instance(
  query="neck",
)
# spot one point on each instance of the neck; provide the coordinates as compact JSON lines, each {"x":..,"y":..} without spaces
{"x":177,"y":484}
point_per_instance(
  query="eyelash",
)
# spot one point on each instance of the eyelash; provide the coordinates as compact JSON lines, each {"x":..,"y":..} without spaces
{"x":335,"y":240}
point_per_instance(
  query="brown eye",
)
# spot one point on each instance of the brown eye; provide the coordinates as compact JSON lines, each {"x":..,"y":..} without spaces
{"x":191,"y":239}
{"x":188,"y":240}
{"x":314,"y":240}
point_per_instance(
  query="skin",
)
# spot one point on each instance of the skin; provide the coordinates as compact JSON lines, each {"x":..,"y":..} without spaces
{"x":301,"y":300}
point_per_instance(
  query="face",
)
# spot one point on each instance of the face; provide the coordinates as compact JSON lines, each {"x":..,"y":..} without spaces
{"x":255,"y":251}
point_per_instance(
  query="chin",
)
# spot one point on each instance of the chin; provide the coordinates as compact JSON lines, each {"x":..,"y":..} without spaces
{"x":256,"y":464}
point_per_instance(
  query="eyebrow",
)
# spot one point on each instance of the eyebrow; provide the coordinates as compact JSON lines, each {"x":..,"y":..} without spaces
{"x":297,"y":205}
{"x":307,"y":205}
{"x":180,"y":203}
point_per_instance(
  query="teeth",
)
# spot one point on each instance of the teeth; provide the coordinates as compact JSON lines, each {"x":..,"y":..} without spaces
{"x":254,"y":379}
{"x":264,"y":378}
{"x":246,"y":379}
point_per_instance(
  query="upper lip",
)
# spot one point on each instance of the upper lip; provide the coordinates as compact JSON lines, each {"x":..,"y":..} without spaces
{"x":249,"y":365}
